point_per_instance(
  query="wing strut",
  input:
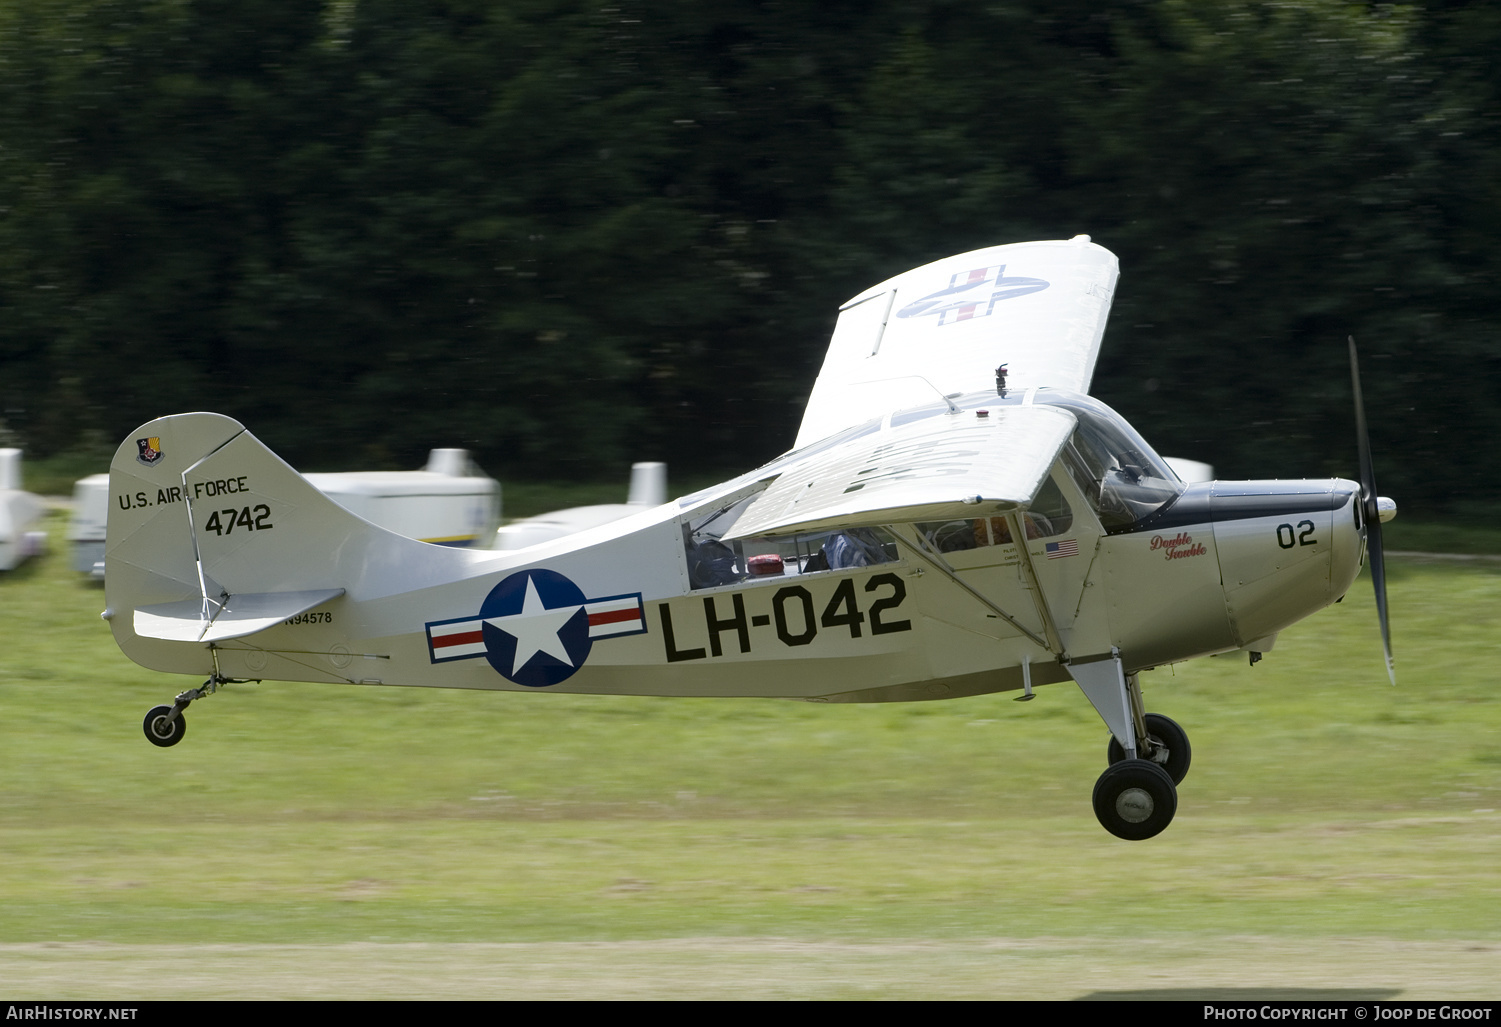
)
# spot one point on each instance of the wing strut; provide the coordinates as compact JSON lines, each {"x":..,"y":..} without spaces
{"x":1019,"y":538}
{"x":932,"y":559}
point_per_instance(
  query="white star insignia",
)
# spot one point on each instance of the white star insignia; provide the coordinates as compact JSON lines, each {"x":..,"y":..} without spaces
{"x":536,"y":628}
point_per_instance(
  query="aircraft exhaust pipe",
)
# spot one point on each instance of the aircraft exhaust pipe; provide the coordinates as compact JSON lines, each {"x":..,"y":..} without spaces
{"x":1371,"y":510}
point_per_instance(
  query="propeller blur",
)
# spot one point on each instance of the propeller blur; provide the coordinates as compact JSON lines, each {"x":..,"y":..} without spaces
{"x":1374,"y":509}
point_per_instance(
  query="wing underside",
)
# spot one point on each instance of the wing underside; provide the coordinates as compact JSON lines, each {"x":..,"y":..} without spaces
{"x":964,"y":464}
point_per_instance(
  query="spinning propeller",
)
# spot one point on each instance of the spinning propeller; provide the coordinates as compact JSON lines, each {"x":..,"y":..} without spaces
{"x":1370,"y":505}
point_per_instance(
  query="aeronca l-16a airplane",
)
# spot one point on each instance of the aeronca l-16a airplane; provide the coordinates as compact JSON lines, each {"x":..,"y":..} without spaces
{"x":957,"y":517}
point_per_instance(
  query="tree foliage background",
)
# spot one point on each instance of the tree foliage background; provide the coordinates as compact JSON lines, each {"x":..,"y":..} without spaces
{"x":567,"y":235}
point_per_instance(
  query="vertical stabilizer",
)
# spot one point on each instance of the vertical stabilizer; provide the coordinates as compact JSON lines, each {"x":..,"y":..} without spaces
{"x":207,"y":525}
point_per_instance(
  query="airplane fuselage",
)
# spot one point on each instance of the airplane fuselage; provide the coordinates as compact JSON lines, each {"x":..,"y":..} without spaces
{"x":628,"y":608}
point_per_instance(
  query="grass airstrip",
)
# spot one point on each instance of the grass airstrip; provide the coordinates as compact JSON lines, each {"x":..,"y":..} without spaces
{"x":1336,"y":837}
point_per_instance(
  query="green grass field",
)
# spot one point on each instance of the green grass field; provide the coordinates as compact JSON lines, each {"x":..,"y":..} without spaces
{"x":1336,"y":837}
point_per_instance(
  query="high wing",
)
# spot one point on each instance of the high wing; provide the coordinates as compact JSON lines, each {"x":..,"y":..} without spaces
{"x":959,"y":463}
{"x":942,"y":329}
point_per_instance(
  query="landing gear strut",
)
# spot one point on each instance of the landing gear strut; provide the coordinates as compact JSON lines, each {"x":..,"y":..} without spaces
{"x":1149,"y":754}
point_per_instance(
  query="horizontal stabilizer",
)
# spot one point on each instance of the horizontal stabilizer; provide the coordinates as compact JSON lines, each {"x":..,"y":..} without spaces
{"x":238,"y":616}
{"x":966,"y":464}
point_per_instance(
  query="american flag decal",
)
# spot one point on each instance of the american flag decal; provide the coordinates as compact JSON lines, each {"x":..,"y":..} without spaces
{"x":1058,"y":550}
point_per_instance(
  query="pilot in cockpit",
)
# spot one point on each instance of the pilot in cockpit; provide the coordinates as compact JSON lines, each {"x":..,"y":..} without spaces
{"x":956,"y":536}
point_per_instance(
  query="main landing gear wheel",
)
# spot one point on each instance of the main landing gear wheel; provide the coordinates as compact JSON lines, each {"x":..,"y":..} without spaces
{"x":1135,"y":799}
{"x":162,"y":731}
{"x":1168,"y":747}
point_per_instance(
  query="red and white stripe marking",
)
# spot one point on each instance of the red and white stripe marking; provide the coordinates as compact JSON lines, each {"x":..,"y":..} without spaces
{"x":623,"y":615}
{"x":461,"y":638}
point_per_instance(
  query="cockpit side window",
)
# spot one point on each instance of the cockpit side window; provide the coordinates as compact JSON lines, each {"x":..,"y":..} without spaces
{"x":712,"y":561}
{"x":1047,"y":516}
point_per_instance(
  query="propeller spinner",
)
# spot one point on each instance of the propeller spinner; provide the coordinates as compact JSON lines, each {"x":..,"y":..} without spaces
{"x":1372,"y":508}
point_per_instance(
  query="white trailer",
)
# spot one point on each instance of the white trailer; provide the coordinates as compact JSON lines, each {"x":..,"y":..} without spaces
{"x":448,"y":503}
{"x":20,"y":515}
{"x":648,"y":489}
{"x":1190,"y":471}
{"x":86,"y":527}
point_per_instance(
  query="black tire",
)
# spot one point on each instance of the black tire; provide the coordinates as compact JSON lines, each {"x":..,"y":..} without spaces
{"x":1135,"y":799}
{"x":159,"y":731}
{"x":1164,"y":733}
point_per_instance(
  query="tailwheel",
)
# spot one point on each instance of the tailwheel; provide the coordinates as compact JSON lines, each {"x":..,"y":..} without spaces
{"x":162,"y":728}
{"x":1135,"y":799}
{"x":165,"y":726}
{"x":1167,"y":746}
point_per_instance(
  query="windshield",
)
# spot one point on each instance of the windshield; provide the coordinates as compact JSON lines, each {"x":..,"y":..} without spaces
{"x":1121,"y":476}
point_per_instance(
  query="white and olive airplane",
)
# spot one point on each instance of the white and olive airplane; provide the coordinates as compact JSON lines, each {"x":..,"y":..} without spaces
{"x":957,"y":517}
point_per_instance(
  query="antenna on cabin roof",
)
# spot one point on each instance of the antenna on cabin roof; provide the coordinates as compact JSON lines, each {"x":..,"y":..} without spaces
{"x":949,"y":398}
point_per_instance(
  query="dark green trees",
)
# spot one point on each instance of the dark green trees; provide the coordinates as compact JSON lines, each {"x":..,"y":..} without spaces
{"x":567,"y":235}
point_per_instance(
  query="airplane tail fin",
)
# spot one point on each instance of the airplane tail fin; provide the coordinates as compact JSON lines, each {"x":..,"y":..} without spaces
{"x":212,"y":537}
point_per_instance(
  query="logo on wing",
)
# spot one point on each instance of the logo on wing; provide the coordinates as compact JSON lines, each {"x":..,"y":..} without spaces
{"x":972,"y":294}
{"x":535,"y":628}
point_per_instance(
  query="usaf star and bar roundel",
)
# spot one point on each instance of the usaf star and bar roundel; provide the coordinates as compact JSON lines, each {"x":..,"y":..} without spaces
{"x":972,"y":294}
{"x":536,"y":628}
